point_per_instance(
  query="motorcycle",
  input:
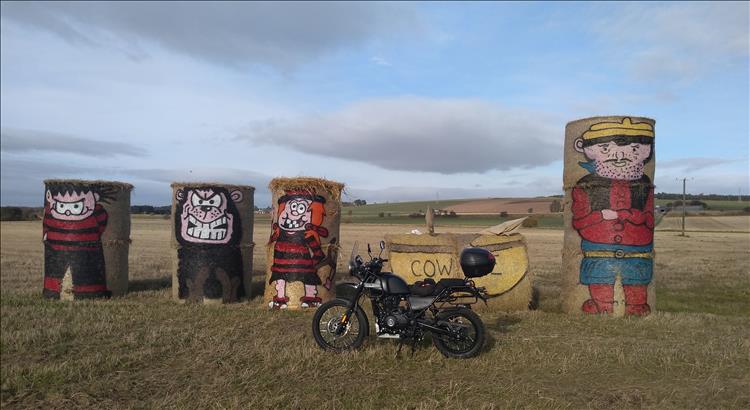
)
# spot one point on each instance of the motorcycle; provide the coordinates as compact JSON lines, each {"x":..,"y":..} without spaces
{"x":405,"y":312}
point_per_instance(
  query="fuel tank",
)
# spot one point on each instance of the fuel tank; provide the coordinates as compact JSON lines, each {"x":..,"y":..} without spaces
{"x":388,"y":283}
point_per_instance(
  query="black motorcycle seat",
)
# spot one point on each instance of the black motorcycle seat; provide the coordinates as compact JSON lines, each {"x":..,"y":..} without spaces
{"x":420,"y":302}
{"x":428,"y":287}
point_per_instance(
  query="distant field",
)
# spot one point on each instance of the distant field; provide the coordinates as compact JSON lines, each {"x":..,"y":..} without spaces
{"x":734,"y":223}
{"x":145,"y":351}
{"x":498,"y":205}
{"x":715,"y":205}
{"x":472,"y":206}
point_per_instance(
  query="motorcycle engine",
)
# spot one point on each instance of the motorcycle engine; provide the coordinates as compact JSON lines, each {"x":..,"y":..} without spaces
{"x":392,"y":316}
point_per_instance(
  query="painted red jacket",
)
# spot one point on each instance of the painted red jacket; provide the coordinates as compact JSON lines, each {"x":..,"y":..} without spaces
{"x":292,"y":253}
{"x":632,"y":200}
{"x":83,"y":235}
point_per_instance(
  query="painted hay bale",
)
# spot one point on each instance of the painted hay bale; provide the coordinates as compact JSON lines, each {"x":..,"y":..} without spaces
{"x":608,"y":255}
{"x":420,"y":257}
{"x":86,"y":233}
{"x":509,"y":284}
{"x":212,"y":235}
{"x":303,"y":248}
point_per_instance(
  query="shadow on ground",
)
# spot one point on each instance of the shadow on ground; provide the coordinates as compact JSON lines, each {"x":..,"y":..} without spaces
{"x":145,"y":285}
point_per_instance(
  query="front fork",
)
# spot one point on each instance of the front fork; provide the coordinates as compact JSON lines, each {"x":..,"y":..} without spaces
{"x":344,"y":321}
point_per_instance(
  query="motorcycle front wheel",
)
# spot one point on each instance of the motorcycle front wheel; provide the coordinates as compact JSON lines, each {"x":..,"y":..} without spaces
{"x":328,"y":333}
{"x":467,"y":334}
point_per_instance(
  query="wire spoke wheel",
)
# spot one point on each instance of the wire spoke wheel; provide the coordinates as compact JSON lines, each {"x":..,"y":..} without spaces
{"x":466,"y":333}
{"x":330,"y":331}
{"x":333,"y":332}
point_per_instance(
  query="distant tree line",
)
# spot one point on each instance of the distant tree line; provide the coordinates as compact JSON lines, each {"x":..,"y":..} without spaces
{"x":704,"y":197}
{"x":150,"y":210}
{"x":20,"y":213}
{"x":357,"y":202}
{"x":694,"y":202}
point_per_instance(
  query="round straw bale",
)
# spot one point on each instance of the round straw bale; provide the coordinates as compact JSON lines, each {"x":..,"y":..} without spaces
{"x":212,"y":235}
{"x":303,"y":248}
{"x":419,"y":257}
{"x":608,"y":252}
{"x":509,"y":283}
{"x":86,"y":232}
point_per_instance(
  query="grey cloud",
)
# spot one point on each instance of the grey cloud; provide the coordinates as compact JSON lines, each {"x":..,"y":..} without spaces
{"x":407,"y":194}
{"x":675,"y":40}
{"x":224,"y":175}
{"x":719,"y":183}
{"x":233,"y":33}
{"x":21,"y":180}
{"x":695,"y":163}
{"x":17,"y":140}
{"x":163,"y":177}
{"x":447,"y":136}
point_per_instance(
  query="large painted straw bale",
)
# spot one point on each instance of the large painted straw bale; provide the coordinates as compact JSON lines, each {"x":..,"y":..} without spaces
{"x":303,"y":248}
{"x":608,"y":255}
{"x":86,"y":232}
{"x":212,"y":238}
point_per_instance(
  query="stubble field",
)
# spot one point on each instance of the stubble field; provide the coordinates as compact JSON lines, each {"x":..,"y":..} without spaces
{"x":144,"y":350}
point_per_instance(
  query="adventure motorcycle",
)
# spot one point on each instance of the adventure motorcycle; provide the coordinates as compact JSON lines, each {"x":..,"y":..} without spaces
{"x":406,"y":312}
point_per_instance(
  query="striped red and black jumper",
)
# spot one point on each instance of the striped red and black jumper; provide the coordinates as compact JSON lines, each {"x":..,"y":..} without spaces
{"x":295,"y":257}
{"x":75,"y":245}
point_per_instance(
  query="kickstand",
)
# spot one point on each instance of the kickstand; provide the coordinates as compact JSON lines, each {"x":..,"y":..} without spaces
{"x":400,"y":345}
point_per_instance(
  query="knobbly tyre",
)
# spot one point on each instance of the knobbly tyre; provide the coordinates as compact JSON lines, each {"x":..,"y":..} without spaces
{"x":406,"y":312}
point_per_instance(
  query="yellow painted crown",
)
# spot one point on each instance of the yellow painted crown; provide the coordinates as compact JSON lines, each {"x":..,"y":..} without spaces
{"x":624,"y":128}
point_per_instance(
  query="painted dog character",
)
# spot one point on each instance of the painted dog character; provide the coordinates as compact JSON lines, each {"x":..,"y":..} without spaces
{"x":208,"y":228}
{"x":297,"y":252}
{"x":613,"y":213}
{"x":74,"y":221}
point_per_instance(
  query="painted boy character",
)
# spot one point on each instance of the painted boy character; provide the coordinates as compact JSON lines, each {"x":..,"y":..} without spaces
{"x":73,"y":224}
{"x":613,"y":213}
{"x":208,"y":228}
{"x":297,"y":253}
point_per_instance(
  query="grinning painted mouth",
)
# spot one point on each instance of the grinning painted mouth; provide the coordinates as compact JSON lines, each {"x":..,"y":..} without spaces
{"x":292,"y":224}
{"x":216,"y":230}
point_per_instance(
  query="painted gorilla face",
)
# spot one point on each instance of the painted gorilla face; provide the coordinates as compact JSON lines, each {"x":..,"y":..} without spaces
{"x":208,"y":215}
{"x":72,"y":206}
{"x":295,"y":215}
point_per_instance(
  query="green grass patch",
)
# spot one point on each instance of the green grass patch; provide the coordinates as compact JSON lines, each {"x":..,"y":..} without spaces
{"x":149,"y":352}
{"x":706,"y":298}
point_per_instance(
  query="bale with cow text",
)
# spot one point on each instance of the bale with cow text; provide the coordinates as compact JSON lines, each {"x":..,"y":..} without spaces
{"x":419,"y":257}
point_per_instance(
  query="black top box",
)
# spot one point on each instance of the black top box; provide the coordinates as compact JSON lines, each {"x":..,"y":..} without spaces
{"x":477,"y":262}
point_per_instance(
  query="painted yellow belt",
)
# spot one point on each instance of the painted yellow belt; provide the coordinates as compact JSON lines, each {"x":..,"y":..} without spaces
{"x":619,"y":254}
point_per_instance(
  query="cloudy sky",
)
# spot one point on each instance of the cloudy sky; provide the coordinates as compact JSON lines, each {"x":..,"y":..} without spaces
{"x":400,"y":101}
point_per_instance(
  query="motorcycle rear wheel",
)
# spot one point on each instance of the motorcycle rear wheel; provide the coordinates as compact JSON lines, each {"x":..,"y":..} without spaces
{"x":471,"y":329}
{"x":325,"y":322}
